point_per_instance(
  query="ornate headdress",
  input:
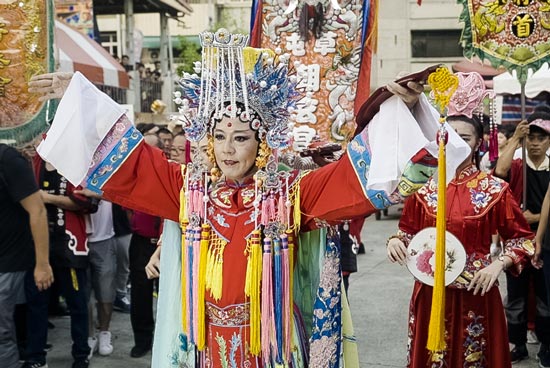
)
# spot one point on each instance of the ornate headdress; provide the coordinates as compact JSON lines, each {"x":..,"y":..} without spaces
{"x":238,"y":81}
{"x":469,"y":96}
{"x":469,"y":99}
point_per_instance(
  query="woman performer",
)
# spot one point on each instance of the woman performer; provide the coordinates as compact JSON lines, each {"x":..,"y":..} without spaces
{"x":478,"y":205}
{"x":242,"y":102}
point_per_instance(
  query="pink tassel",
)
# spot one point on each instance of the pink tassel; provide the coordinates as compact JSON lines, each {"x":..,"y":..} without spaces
{"x":196,"y":198}
{"x":268,"y":320}
{"x":196,"y":260}
{"x":281,"y":210}
{"x":286,"y":297}
{"x":271,"y":207}
{"x":200,"y":207}
{"x":265,"y":212}
{"x":493,"y":144}
{"x":188,"y":284}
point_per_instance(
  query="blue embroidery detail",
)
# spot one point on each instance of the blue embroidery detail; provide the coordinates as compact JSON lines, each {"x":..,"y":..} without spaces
{"x":326,"y":334}
{"x":112,"y":162}
{"x":235,"y":344}
{"x":360,"y":158}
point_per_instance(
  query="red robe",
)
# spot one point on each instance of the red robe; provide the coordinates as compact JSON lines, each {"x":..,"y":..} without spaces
{"x":147,"y":182}
{"x":478,"y":205}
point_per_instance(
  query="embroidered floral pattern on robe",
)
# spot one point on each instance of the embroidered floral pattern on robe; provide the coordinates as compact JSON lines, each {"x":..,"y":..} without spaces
{"x":325,"y":342}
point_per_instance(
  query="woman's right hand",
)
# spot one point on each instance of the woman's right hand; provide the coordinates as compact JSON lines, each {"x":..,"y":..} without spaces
{"x":153,"y":267}
{"x":397,"y":252}
{"x":409,"y":93}
{"x":51,"y":85}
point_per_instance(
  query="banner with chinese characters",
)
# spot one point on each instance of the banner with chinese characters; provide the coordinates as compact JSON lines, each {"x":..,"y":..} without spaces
{"x":328,"y":39}
{"x":26,"y":49}
{"x":512,"y":33}
{"x":77,"y":13}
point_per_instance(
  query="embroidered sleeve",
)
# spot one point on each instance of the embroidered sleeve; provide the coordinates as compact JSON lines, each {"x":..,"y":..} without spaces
{"x":405,"y":237}
{"x":520,"y":250}
{"x":515,"y":232}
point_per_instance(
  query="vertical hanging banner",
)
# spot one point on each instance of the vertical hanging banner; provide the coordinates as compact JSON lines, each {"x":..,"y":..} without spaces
{"x":511,"y":33}
{"x":26,"y":49}
{"x":327,"y":38}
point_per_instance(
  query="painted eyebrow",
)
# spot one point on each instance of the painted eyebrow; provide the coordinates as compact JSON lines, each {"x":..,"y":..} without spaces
{"x":235,"y":131}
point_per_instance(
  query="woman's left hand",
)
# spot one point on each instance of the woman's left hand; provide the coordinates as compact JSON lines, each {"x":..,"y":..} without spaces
{"x":408,"y":94}
{"x":485,"y":278}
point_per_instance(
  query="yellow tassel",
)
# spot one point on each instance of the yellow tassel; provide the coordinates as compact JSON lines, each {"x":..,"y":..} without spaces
{"x":216,"y":276}
{"x":291,"y":238}
{"x":248,"y":279}
{"x":210,"y":257}
{"x":252,"y":290}
{"x":436,"y":332}
{"x":74,"y":279}
{"x":201,"y":318}
{"x":296,"y":204}
{"x":183,"y":224}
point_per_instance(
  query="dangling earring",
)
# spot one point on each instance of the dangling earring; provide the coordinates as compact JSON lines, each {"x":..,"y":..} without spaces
{"x":215,"y":172}
{"x":263,"y":154}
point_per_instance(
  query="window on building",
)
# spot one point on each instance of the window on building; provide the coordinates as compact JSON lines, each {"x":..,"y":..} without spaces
{"x":109,"y":42}
{"x":436,"y":43}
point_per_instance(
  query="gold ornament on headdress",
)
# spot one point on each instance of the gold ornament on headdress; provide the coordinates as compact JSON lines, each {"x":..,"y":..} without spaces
{"x":215,"y":172}
{"x":443,"y":84}
{"x":263,"y":155}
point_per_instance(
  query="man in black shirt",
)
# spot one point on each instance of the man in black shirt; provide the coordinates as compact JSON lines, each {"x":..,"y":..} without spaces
{"x":69,"y":258}
{"x":536,"y":132}
{"x":24,"y":223}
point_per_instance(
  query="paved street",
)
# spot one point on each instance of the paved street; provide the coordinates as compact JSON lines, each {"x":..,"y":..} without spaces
{"x":379,"y":296}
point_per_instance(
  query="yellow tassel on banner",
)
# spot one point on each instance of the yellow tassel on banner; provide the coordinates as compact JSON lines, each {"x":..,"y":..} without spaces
{"x":436,"y":332}
{"x":201,"y":317}
{"x":253,"y":291}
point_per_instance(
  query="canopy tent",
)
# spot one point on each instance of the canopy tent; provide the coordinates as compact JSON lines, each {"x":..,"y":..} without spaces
{"x":77,"y":52}
{"x":537,"y":82}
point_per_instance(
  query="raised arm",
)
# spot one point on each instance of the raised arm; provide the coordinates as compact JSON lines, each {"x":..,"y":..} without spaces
{"x":504,"y":162}
{"x":108,"y":154}
{"x":387,"y":162}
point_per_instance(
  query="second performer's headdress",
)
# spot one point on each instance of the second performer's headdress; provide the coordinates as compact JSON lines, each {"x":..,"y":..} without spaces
{"x":469,"y":100}
{"x":469,"y":97}
{"x":237,"y":81}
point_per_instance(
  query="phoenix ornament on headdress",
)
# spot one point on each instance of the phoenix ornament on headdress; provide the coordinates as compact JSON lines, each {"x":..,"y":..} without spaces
{"x":237,"y":81}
